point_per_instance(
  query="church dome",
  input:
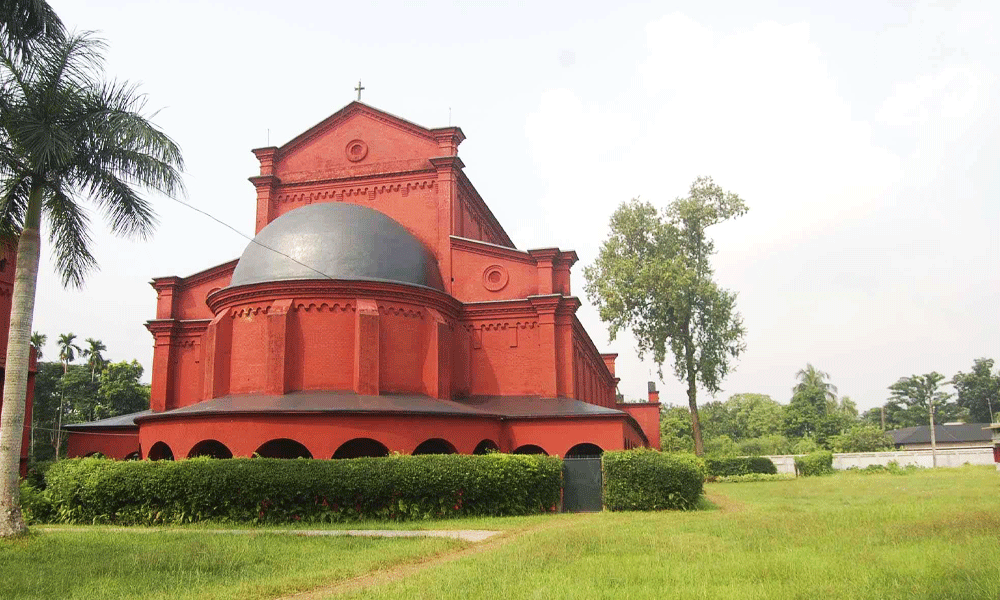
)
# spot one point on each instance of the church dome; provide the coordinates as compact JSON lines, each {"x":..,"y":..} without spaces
{"x":337,"y":241}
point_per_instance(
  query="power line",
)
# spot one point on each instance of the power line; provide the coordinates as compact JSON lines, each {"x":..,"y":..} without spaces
{"x":252,"y":240}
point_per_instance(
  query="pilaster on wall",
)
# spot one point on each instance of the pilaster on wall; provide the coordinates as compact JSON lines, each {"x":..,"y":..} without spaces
{"x":366,"y":348}
{"x":218,"y":341}
{"x":548,"y":344}
{"x":166,"y":288}
{"x":266,"y":184}
{"x":277,"y":347}
{"x":437,"y":365}
{"x":161,"y":386}
{"x":449,"y":212}
{"x":553,"y":270}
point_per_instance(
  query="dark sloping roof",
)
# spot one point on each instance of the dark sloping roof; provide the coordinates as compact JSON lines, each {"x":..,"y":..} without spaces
{"x":516,"y":407}
{"x":334,"y":240}
{"x":119,"y":421}
{"x":961,"y":432}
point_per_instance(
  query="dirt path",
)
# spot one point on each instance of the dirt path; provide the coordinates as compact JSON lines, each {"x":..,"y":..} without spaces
{"x":398,"y":572}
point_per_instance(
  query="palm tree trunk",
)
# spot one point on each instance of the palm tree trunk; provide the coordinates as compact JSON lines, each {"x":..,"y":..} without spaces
{"x":16,"y":373}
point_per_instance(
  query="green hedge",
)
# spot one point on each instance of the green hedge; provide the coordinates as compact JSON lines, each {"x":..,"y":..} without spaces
{"x":727,"y":467}
{"x":816,"y":463}
{"x":274,"y":491}
{"x":651,"y":480}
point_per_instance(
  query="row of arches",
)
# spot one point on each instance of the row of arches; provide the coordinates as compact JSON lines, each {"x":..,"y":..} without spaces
{"x":355,"y":448}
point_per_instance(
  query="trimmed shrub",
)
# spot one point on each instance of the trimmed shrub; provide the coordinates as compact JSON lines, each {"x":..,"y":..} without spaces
{"x":265,"y":490}
{"x":650,"y":480}
{"x":816,"y":463}
{"x":727,"y":467}
{"x":35,"y":504}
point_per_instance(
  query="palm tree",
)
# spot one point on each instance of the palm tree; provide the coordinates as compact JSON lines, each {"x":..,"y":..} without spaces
{"x":38,"y":342}
{"x":66,"y":135}
{"x":95,"y":360}
{"x":812,"y":378}
{"x":25,"y":22}
{"x":67,"y":354}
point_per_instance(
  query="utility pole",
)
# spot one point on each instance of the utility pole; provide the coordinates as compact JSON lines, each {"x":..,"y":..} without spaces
{"x":883,"y":418}
{"x":933,"y":437}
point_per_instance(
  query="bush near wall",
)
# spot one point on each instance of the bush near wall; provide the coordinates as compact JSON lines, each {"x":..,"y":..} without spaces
{"x":650,"y":480}
{"x":727,"y":467}
{"x":274,"y":491}
{"x":816,"y":463}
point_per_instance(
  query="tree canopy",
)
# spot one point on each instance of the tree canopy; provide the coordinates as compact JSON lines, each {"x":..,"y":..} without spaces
{"x":653,"y":276}
{"x":978,"y":391}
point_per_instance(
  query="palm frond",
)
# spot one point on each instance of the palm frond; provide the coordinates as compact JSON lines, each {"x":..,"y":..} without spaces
{"x":14,"y":190}
{"x":69,"y":234}
{"x":24,"y":23}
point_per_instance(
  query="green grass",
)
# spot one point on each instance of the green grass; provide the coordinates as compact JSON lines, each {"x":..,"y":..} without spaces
{"x":188,"y":565}
{"x":928,"y":535}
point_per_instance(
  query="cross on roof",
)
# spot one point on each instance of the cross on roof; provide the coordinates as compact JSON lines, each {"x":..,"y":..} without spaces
{"x":358,"y":90}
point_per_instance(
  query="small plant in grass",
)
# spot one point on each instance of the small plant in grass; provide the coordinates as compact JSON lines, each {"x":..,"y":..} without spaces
{"x":815,"y":463}
{"x":749,"y":477}
{"x":650,"y":480}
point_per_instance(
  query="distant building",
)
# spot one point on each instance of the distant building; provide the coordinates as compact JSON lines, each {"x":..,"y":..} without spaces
{"x":949,"y":435}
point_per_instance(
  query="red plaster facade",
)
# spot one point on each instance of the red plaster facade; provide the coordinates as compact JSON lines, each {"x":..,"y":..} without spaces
{"x":230,"y":360}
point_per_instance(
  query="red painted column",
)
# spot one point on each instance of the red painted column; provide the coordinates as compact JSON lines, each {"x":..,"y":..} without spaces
{"x":437,"y":365}
{"x":277,"y":347}
{"x":266,"y":183}
{"x":366,"y":348}
{"x":161,"y":387}
{"x":548,"y":344}
{"x":447,"y":201}
{"x":217,"y":355}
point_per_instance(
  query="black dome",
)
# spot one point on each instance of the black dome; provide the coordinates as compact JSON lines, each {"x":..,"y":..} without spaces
{"x":337,"y":241}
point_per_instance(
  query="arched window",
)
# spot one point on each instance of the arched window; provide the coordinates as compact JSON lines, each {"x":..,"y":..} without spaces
{"x":581,"y":450}
{"x":210,"y":448}
{"x":361,"y":447}
{"x":282,"y":448}
{"x":434,"y":446}
{"x":160,"y":451}
{"x":485,"y":447}
{"x":530,"y":449}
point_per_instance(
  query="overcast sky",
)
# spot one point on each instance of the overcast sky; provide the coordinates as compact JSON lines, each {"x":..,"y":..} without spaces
{"x":863,"y":136}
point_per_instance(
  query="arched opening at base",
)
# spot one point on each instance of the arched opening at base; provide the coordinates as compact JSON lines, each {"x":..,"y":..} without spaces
{"x":211,"y":449}
{"x":584,"y":450}
{"x":160,"y":451}
{"x":486,"y":447}
{"x":434,"y":446}
{"x":530,"y":449}
{"x":282,"y":448}
{"x":361,"y":447}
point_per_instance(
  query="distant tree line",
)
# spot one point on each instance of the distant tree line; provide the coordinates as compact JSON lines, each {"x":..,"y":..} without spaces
{"x":816,"y":418}
{"x":68,"y":393}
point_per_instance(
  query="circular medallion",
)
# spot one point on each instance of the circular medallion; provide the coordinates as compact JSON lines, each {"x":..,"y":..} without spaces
{"x":356,"y":150}
{"x":495,"y":278}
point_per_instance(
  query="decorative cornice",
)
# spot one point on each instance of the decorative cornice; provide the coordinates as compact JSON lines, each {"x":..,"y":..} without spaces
{"x":176,"y":327}
{"x":477,"y":203}
{"x":200,"y":277}
{"x":491,"y":250}
{"x":500,"y":309}
{"x":339,"y":194}
{"x":446,"y":162}
{"x":335,"y":289}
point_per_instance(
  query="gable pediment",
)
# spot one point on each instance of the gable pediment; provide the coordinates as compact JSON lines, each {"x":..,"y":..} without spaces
{"x":359,"y":140}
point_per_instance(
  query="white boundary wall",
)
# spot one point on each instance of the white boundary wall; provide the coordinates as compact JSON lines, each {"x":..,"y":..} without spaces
{"x":954,"y":457}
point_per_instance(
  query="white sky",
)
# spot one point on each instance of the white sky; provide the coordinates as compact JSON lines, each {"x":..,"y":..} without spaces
{"x":863,"y":136}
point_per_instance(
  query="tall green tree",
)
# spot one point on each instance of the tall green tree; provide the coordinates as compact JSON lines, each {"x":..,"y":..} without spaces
{"x":979,"y":391}
{"x":814,"y":411}
{"x":755,"y":416}
{"x":66,"y":135}
{"x":68,"y":349}
{"x":653,"y":276}
{"x":25,"y":23}
{"x":95,"y":360}
{"x":120,"y":390}
{"x":38,"y":343}
{"x":915,"y":397}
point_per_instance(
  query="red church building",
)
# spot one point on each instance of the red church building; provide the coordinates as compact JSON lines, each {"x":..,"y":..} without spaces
{"x":380,"y":308}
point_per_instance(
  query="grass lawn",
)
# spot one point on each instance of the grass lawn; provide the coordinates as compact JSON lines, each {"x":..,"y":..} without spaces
{"x":926,"y":535}
{"x":189,"y":565}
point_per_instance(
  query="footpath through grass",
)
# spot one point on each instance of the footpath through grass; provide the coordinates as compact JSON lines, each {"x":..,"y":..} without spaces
{"x":188,"y":565}
{"x":928,"y":535}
